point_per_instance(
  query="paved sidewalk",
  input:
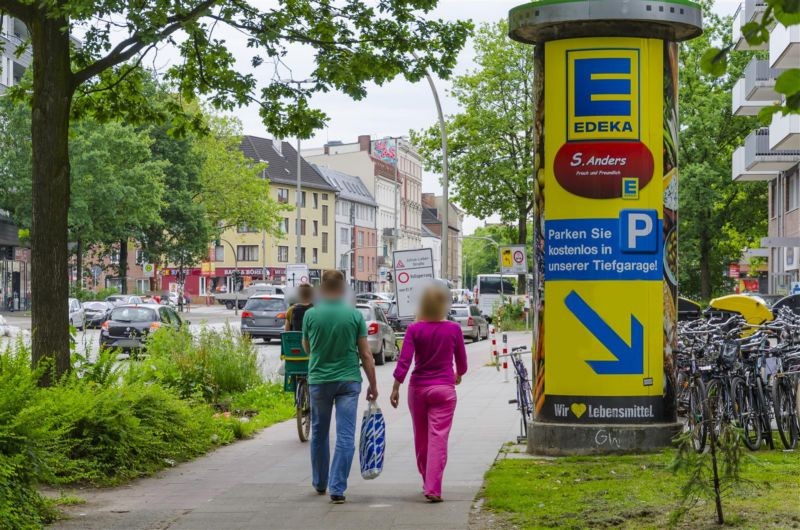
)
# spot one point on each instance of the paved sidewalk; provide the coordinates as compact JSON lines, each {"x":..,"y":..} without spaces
{"x":265,"y":482}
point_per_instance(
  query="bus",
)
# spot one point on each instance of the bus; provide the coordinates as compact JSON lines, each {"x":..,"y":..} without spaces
{"x":492,"y":289}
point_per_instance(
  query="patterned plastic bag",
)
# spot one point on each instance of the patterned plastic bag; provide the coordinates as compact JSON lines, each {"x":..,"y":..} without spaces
{"x":373,"y":442}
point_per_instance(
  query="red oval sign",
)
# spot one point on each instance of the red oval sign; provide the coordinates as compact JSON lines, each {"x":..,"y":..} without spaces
{"x":596,"y":169}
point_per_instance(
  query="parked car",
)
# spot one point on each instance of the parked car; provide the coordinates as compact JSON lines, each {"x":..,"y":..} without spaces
{"x":264,"y":316}
{"x":473,"y":324}
{"x":122,"y":299}
{"x":129,"y":325}
{"x":96,"y":313}
{"x":77,"y":317}
{"x":257,"y":289}
{"x":365,"y":298}
{"x":399,"y":325}
{"x":380,"y":334}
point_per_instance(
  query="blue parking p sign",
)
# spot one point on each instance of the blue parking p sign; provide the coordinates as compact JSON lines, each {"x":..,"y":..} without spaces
{"x":638,"y":231}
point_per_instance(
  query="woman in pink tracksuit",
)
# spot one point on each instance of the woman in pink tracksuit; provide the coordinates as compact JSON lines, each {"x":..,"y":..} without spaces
{"x":435,"y":344}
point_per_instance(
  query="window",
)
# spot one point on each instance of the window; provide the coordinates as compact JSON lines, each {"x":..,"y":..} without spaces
{"x":773,"y":186}
{"x":792,"y":192}
{"x":360,"y":263}
{"x":114,"y":257}
{"x":244,"y":229}
{"x":315,"y":228}
{"x":344,"y":235}
{"x":219,"y":253}
{"x":314,"y":256}
{"x":140,"y":258}
{"x":142,"y":286}
{"x":203,"y":291}
{"x":325,"y":215}
{"x":303,"y":255}
{"x":315,"y":200}
{"x":283,"y":195}
{"x":360,"y":238}
{"x":247,"y":252}
{"x":284,"y":225}
{"x":324,"y":196}
{"x":324,"y":242}
{"x":303,"y":199}
{"x":283,"y":254}
{"x":302,"y":227}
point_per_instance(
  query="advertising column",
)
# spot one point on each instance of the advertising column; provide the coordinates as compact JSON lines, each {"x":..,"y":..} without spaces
{"x":605,"y":221}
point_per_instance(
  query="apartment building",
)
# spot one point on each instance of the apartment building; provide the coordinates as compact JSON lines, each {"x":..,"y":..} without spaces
{"x":392,"y":171}
{"x":771,"y":153}
{"x":432,"y":219}
{"x":261,"y":257}
{"x":13,"y":33}
{"x":356,"y":232}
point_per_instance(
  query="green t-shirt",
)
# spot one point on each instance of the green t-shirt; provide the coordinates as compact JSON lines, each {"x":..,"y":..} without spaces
{"x":332,"y":329}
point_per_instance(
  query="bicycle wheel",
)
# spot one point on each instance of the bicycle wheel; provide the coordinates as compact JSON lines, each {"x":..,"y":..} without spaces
{"x":785,"y":417}
{"x":697,"y":415}
{"x":303,"y":410}
{"x":746,"y":418}
{"x":683,"y":384}
{"x":762,"y":409}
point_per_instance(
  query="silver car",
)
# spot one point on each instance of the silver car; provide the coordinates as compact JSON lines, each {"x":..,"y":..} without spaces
{"x":380,"y":334}
{"x":473,"y":324}
{"x":77,"y":317}
{"x":264,"y":317}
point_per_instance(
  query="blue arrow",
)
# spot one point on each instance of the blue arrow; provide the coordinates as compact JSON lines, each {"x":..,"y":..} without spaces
{"x":630,"y":359}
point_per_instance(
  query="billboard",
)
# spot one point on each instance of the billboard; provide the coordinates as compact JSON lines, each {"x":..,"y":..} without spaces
{"x":605,"y":236}
{"x":385,"y":150}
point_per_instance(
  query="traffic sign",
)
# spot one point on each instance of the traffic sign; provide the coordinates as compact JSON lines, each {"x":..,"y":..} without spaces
{"x":414,"y":271}
{"x":148,"y":270}
{"x":297,"y":274}
{"x":513,"y":259}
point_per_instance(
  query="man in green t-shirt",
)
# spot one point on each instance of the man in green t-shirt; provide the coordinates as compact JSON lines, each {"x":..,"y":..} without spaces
{"x":335,"y":335}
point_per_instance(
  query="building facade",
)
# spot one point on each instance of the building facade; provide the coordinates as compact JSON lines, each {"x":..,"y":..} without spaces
{"x":391,"y":169}
{"x":261,"y":257}
{"x":356,"y":232}
{"x":771,"y":153}
{"x":432,"y":219}
{"x":13,"y":33}
{"x":15,"y":268}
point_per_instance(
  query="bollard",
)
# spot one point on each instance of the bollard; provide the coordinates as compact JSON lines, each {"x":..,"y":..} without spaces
{"x":505,"y":358}
{"x":505,"y":372}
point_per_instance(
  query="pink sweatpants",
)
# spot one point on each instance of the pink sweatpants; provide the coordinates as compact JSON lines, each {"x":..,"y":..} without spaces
{"x":432,"y":409}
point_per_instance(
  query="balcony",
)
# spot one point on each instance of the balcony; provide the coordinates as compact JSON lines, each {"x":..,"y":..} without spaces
{"x":749,"y":11}
{"x":784,"y":132}
{"x":740,"y":172}
{"x":759,"y":157}
{"x":784,"y":47}
{"x":755,"y":90}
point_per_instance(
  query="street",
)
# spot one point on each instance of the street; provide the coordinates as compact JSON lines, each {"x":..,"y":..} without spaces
{"x":265,"y":482}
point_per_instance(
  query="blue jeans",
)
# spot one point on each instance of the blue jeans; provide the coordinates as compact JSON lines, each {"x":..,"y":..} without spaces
{"x":324,"y":396}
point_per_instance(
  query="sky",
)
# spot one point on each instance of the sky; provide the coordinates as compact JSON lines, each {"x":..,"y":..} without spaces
{"x":397,"y":107}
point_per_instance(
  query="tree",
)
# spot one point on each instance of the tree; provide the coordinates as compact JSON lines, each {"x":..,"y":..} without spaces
{"x":490,"y":141}
{"x":480,"y":255}
{"x":718,"y":217}
{"x":352,"y":43}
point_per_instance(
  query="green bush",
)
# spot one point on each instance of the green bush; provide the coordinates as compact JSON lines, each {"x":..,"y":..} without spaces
{"x":511,"y":316}
{"x":209,"y":366}
{"x":85,"y":295}
{"x":109,"y":421}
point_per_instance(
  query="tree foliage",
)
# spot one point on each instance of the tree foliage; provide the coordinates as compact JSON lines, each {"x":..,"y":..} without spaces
{"x":490,"y":139}
{"x":718,"y":217}
{"x":480,"y":255}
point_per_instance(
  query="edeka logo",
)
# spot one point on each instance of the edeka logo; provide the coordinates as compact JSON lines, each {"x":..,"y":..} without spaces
{"x":603,"y":94}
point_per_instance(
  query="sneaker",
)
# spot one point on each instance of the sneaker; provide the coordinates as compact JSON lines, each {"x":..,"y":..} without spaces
{"x":337,"y":499}
{"x":321,"y":491}
{"x":434,"y":499}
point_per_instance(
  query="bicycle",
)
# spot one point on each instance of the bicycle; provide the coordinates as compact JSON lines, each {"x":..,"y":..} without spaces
{"x":524,"y":399}
{"x":296,"y":380}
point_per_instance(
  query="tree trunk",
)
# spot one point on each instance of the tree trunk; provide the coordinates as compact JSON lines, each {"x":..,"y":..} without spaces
{"x":522,"y":228}
{"x":123,"y":266}
{"x":51,"y":101}
{"x":79,"y":264}
{"x":705,"y":266}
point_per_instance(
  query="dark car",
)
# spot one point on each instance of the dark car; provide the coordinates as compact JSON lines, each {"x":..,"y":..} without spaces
{"x":96,"y":313}
{"x":399,"y":325}
{"x":792,"y":302}
{"x":128,"y":326}
{"x":264,"y":317}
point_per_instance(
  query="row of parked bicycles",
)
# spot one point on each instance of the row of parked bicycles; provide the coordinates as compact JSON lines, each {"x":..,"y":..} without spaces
{"x":730,"y":372}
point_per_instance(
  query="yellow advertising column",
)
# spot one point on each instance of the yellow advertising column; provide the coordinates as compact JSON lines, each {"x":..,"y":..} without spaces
{"x":605,"y":227}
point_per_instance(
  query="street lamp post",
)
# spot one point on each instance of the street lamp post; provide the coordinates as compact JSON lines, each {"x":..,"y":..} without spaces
{"x":236,"y":265}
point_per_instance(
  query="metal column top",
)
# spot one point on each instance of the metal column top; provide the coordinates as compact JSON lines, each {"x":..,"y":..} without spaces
{"x":544,"y":20}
